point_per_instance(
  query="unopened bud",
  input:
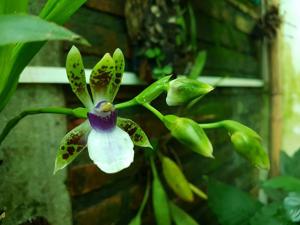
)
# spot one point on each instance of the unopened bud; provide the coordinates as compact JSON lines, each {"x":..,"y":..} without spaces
{"x":189,"y":133}
{"x":182,"y":90}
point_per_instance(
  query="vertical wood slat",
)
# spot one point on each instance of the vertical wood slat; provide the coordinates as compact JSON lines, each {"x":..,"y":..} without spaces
{"x":275,"y":102}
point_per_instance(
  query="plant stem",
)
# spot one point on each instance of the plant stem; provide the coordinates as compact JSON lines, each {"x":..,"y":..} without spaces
{"x":153,"y":167}
{"x":126,"y":104}
{"x":145,"y":199}
{"x":154,"y":111}
{"x":211,"y":125}
{"x":55,"y":110}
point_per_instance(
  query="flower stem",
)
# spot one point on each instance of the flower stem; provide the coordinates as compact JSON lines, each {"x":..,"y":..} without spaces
{"x":126,"y":104}
{"x":79,"y":112}
{"x":211,"y":125}
{"x":154,"y":111}
{"x":145,"y":199}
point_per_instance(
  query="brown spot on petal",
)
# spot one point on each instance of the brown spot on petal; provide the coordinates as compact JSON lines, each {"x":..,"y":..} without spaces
{"x":65,"y":156}
{"x":71,"y":150}
{"x":130,"y":128}
{"x":137,"y":137}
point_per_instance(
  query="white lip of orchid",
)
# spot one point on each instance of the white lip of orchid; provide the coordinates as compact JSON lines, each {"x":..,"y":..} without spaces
{"x":112,"y":151}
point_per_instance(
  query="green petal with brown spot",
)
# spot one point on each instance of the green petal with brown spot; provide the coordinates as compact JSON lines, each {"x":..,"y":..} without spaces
{"x":71,"y":145}
{"x":101,"y":78}
{"x":137,"y":135}
{"x":119,"y":60}
{"x":76,"y":76}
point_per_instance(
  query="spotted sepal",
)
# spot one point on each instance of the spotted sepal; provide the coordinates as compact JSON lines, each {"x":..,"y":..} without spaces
{"x":119,"y":60}
{"x":76,"y":76}
{"x":101,"y":78}
{"x":71,"y":145}
{"x":137,"y":135}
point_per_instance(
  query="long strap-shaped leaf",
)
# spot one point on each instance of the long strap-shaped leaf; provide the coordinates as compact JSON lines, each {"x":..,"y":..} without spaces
{"x":58,"y":11}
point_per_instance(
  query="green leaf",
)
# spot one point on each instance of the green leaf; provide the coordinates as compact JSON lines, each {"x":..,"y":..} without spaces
{"x":76,"y":76}
{"x":101,"y":77}
{"x":271,"y":214}
{"x":286,"y":183}
{"x":180,"y":217}
{"x":19,"y":56}
{"x":59,"y":11}
{"x":289,"y":165}
{"x":152,"y":53}
{"x":189,"y":133}
{"x":137,"y":220}
{"x":193,"y":29}
{"x":137,"y":135}
{"x":176,"y":179}
{"x":292,"y":206}
{"x":168,"y":69}
{"x":13,"y":6}
{"x":72,"y":145}
{"x":198,"y":65}
{"x":231,"y":205}
{"x":32,"y":28}
{"x":153,"y":91}
{"x":198,"y":192}
{"x":159,"y":200}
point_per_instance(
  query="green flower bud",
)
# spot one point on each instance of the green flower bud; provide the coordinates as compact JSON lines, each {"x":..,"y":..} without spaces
{"x":234,"y":126}
{"x":183,"y":90}
{"x":189,"y":133}
{"x":247,"y":143}
{"x":153,"y":91}
{"x":250,"y":148}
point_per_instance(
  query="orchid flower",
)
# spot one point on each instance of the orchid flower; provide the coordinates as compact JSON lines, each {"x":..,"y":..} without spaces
{"x":108,"y":138}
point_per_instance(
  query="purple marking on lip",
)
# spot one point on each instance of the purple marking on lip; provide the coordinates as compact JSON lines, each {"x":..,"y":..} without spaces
{"x":102,"y":121}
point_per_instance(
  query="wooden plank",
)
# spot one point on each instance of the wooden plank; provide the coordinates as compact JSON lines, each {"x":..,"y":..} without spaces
{"x":276,"y":125}
{"x":110,"y":210}
{"x":231,"y":62}
{"x":254,"y":12}
{"x":223,"y":33}
{"x":115,"y":7}
{"x":104,"y":32}
{"x":83,"y":179}
{"x":225,"y":12}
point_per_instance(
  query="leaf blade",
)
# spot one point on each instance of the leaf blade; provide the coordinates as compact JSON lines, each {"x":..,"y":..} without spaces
{"x":32,"y":28}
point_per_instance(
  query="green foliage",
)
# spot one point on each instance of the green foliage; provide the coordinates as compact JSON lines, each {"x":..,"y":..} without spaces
{"x":32,"y":28}
{"x":180,"y":217}
{"x":198,"y":65}
{"x":286,"y":183}
{"x":176,"y":179}
{"x":159,"y":72}
{"x":289,"y":165}
{"x":270,"y":214}
{"x":231,"y":205}
{"x":137,"y":220}
{"x":292,"y":206}
{"x":159,"y":199}
{"x":14,"y":58}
